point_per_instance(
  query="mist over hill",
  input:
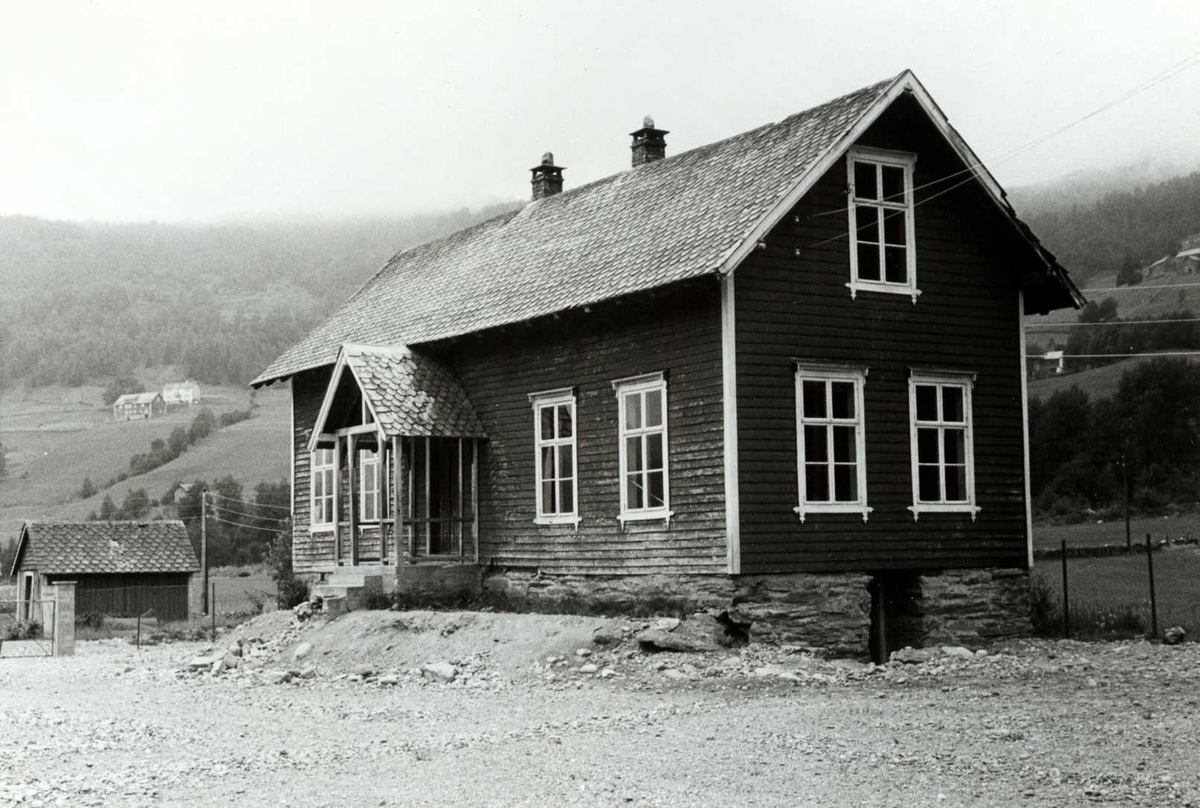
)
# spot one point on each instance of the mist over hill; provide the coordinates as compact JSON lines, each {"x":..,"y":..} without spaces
{"x":1094,"y":222}
{"x":92,"y":301}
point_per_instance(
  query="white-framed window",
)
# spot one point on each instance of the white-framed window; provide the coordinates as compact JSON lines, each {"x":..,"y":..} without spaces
{"x":370,"y":480}
{"x":942,"y":443}
{"x":323,"y":488}
{"x":645,"y":478}
{"x":557,"y":479}
{"x":883,"y":256}
{"x":831,"y":440}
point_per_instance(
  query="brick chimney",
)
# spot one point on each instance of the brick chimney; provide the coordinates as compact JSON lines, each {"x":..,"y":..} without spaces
{"x":547,"y":178}
{"x":649,"y":144}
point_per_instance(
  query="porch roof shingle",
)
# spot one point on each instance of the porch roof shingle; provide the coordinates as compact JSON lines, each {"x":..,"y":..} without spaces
{"x":412,"y":394}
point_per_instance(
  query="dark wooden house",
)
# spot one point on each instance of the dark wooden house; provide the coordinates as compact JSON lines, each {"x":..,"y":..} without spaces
{"x":781,"y":374}
{"x":120,"y":569}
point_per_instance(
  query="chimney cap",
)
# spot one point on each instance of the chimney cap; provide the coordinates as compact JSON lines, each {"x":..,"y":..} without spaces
{"x":547,"y":163}
{"x":649,"y":128}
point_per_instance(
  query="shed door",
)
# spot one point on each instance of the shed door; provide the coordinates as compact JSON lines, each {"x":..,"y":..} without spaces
{"x":26,"y":594}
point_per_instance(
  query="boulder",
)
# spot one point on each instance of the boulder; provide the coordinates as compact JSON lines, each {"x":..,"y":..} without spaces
{"x":202,"y":662}
{"x":957,"y":651}
{"x":232,"y":661}
{"x":440,"y":671}
{"x":589,"y":668}
{"x":583,"y":652}
{"x":276,"y":677}
{"x":365,"y":671}
{"x":388,"y":679}
{"x":607,"y":635}
{"x":1174,"y":635}
{"x":915,"y":656}
{"x":699,"y":633}
{"x":302,"y":650}
{"x":666,"y":623}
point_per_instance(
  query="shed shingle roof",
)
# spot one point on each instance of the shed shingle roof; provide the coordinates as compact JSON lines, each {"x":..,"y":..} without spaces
{"x":411,"y":394}
{"x":66,"y":548}
{"x":666,"y":221}
{"x":663,"y":222}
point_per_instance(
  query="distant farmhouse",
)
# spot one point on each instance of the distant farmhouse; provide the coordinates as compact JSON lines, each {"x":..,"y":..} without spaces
{"x":133,"y":406}
{"x":181,"y":393}
{"x":120,"y":569}
{"x":179,"y":492}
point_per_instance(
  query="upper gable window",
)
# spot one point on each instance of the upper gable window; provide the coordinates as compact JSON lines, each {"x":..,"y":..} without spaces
{"x":882,"y":253}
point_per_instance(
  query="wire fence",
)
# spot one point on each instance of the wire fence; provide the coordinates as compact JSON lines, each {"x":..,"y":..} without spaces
{"x":1114,"y":591}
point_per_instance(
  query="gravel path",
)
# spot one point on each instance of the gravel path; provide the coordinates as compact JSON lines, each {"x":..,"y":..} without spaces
{"x":1037,"y":724}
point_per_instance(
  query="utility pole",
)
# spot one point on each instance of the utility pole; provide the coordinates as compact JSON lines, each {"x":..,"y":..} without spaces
{"x":204,"y":550}
{"x":1125,"y":475}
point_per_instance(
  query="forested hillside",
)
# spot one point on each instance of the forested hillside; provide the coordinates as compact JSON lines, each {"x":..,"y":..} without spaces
{"x":87,"y":302}
{"x":1097,"y":237}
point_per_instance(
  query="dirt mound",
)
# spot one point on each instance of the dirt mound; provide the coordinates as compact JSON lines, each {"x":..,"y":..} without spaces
{"x":510,"y":643}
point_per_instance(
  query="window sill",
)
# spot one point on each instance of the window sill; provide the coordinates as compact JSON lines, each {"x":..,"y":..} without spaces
{"x":321,"y":528}
{"x":933,"y":507}
{"x":804,"y":510}
{"x":558,"y":520}
{"x":887,"y":288}
{"x":661,"y":515}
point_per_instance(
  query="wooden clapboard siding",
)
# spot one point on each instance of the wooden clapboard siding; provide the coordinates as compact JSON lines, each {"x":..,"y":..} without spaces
{"x":792,"y":302}
{"x":309,"y":550}
{"x":677,"y":332}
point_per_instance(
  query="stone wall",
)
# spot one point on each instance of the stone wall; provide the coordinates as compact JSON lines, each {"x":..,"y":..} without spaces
{"x":822,"y":611}
{"x":969,"y":607}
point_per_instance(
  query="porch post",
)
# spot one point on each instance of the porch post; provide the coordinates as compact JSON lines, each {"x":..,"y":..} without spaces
{"x":351,"y":440}
{"x":337,"y":501}
{"x":397,"y":494}
{"x":459,"y":505}
{"x":428,"y":504}
{"x":475,"y":495}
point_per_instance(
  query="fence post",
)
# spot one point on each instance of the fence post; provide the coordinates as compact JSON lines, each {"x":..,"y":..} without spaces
{"x":1153,"y":601}
{"x":1066,"y":596}
{"x":212,"y":608}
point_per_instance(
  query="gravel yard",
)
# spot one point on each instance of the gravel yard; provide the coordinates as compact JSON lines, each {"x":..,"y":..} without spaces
{"x":528,"y":721}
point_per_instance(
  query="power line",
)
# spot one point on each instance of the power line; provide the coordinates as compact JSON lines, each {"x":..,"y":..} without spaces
{"x":251,"y":504}
{"x":1158,"y":78}
{"x":247,"y":527}
{"x":1055,"y":326}
{"x":1141,"y":288}
{"x":227,"y":510}
{"x":1113,"y":355}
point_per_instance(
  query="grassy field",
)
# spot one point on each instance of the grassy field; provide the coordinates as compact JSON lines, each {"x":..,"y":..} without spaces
{"x":1111,"y":586}
{"x":57,"y":437}
{"x":1099,"y":382}
{"x":1113,"y":531}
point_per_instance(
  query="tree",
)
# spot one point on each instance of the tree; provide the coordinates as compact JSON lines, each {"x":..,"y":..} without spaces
{"x":108,"y":509}
{"x":1129,"y":274}
{"x":119,"y":387}
{"x":136,"y":504}
{"x":8,"y":554}
{"x":87,"y":490}
{"x":178,"y":441}
{"x":290,"y":590}
{"x":202,"y":426}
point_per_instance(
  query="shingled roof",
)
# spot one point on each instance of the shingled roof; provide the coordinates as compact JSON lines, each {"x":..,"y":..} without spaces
{"x":70,"y":548}
{"x":411,"y":394}
{"x":682,"y":217}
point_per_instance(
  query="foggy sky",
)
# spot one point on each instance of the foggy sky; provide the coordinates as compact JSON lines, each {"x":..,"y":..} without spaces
{"x":197,"y":111}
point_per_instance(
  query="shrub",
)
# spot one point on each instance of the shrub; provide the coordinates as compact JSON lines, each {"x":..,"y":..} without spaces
{"x":290,"y":589}
{"x":23,"y":630}
{"x":90,"y":620}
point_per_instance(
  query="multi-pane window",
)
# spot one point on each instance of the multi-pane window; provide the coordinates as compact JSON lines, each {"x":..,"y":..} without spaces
{"x":369,"y":485}
{"x":645,"y":486}
{"x":942,"y":444}
{"x":830,"y":441}
{"x":882,"y":256}
{"x":554,"y":433}
{"x":324,"y":469}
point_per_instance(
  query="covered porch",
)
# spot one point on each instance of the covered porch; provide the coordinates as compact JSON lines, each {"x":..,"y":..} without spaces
{"x":395,"y":464}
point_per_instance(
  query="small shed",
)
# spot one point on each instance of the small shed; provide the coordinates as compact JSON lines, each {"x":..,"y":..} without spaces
{"x":133,"y":406}
{"x":121,"y":569}
{"x":184,"y":393}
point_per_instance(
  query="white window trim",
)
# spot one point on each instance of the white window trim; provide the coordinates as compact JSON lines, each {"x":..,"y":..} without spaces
{"x":641,"y":384}
{"x":967,"y":382}
{"x":368,"y":457}
{"x":550,"y":398}
{"x":313,"y":469}
{"x":907,"y":161}
{"x":827,"y":373}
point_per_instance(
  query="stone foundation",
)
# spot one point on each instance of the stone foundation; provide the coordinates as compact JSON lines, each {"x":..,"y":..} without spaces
{"x":970,"y":607}
{"x":833,"y":612}
{"x":438,"y":583}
